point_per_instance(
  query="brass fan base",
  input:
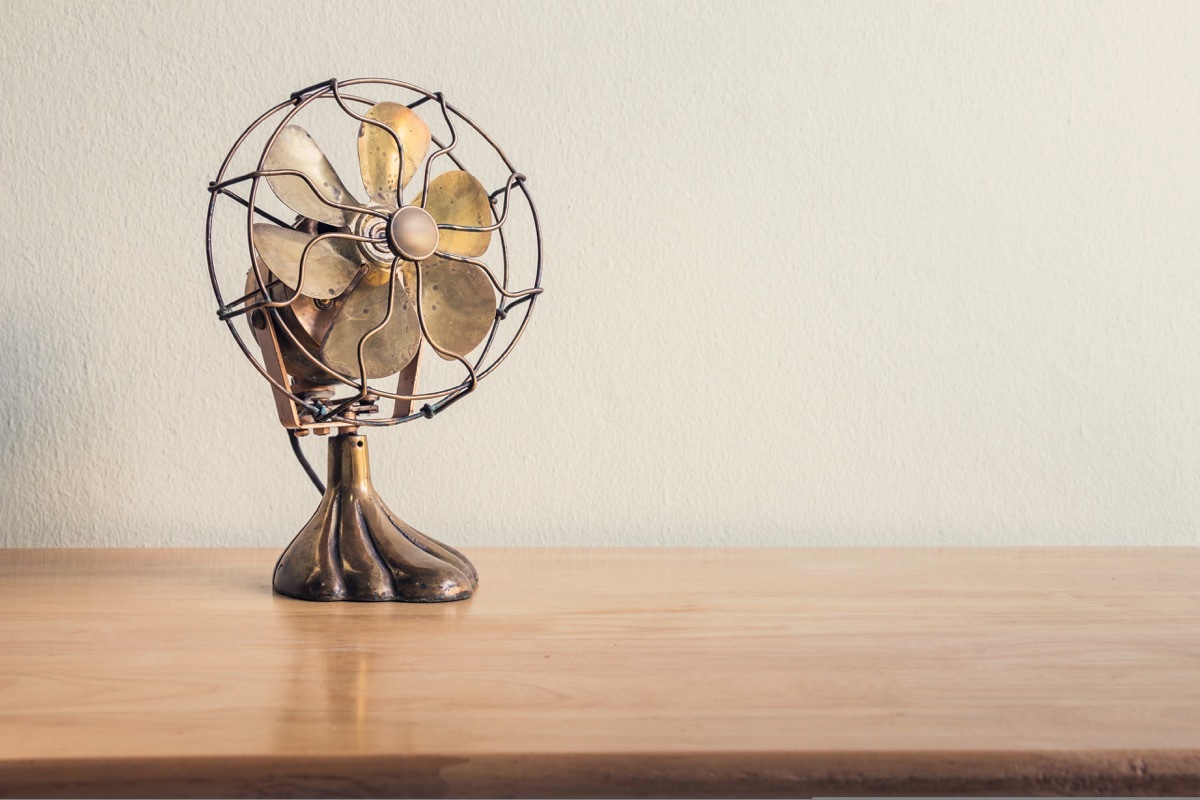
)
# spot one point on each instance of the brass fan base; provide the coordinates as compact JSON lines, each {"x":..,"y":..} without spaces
{"x":354,"y":547}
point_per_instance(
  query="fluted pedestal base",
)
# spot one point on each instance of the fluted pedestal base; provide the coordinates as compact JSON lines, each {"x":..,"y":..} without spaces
{"x":354,"y":548}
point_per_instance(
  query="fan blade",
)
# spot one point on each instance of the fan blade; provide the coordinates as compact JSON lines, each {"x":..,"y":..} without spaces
{"x":330,"y":266}
{"x":378,"y":158}
{"x":458,"y":303}
{"x":363,"y":308}
{"x":294,"y":149}
{"x":457,"y":198}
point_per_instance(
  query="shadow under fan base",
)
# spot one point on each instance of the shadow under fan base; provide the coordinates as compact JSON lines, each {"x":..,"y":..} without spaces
{"x":354,"y":547}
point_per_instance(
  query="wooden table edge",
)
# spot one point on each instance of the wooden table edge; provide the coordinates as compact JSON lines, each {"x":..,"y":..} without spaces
{"x":616,"y":775}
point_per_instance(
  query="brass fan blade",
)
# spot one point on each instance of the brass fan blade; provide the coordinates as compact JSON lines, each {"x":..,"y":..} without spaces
{"x":458,"y":303}
{"x":295,"y":149}
{"x":457,"y":198}
{"x":378,"y":158}
{"x":364,"y":308}
{"x":328,"y":270}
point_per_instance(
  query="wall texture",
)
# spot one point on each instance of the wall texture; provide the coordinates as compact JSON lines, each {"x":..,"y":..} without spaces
{"x":893,"y":273}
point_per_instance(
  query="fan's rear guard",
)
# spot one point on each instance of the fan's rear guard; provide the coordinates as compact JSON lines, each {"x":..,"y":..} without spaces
{"x":354,"y":548}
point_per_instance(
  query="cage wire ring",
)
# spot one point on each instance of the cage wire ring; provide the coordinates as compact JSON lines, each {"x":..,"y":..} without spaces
{"x":245,"y":305}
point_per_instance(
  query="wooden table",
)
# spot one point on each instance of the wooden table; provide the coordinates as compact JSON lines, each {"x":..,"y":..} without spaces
{"x":608,"y":673}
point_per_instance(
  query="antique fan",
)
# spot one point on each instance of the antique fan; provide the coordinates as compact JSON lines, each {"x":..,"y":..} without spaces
{"x":356,"y":291}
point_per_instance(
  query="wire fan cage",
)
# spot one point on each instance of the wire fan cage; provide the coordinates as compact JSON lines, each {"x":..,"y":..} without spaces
{"x":352,"y":402}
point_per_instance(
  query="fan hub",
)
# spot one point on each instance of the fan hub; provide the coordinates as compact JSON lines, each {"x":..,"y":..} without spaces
{"x":412,"y":234}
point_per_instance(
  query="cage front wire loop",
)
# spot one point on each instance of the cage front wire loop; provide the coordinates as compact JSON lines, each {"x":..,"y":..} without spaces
{"x":442,"y":398}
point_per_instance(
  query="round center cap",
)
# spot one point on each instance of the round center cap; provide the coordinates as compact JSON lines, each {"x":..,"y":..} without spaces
{"x":412,"y":233}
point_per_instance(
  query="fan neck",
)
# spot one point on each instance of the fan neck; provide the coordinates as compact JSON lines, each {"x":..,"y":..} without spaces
{"x":349,"y":465}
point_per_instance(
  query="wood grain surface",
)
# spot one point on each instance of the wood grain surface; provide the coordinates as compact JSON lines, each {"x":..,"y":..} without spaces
{"x":609,"y":673}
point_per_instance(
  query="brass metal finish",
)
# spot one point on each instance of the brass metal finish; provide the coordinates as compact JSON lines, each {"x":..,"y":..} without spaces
{"x":294,"y":149}
{"x":378,"y":157}
{"x":379,"y":303}
{"x":329,"y":266}
{"x":303,"y":179}
{"x":459,"y":305}
{"x":412,"y":234}
{"x":349,"y":293}
{"x":355,"y":548}
{"x":458,"y":199}
{"x":282,"y":365}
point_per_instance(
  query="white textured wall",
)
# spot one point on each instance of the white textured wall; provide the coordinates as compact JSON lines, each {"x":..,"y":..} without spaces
{"x":819,"y":273}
